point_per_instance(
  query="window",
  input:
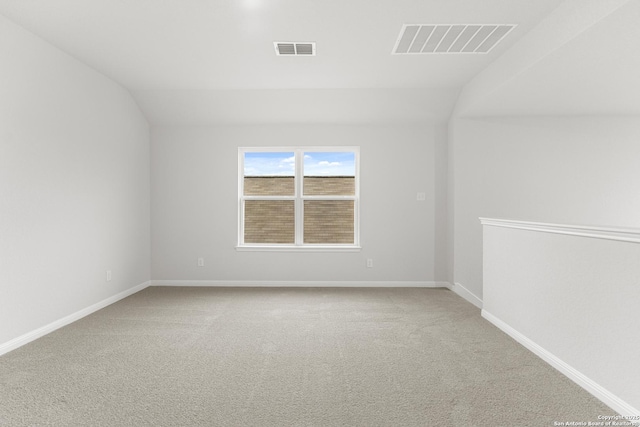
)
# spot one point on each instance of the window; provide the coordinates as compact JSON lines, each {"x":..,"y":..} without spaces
{"x":298,"y":198}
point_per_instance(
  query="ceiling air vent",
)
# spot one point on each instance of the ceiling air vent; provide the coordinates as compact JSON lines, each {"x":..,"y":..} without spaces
{"x":295,"y":48}
{"x":458,"y":38}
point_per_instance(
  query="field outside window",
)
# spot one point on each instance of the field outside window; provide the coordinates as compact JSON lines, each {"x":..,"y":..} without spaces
{"x":298,"y":198}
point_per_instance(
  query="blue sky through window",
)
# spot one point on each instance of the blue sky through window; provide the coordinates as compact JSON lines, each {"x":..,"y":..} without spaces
{"x":269,"y":164}
{"x":340,"y":163}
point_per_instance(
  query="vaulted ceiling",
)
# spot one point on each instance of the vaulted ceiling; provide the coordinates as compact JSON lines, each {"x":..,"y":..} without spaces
{"x":213,"y":61}
{"x":583,"y":59}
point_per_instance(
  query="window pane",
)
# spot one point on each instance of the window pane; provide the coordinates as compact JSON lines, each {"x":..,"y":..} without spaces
{"x":328,"y":221}
{"x":329,"y":174}
{"x":269,"y":174}
{"x":269,"y":221}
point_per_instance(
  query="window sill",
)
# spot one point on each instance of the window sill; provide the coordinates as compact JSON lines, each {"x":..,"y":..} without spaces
{"x":291,"y":248}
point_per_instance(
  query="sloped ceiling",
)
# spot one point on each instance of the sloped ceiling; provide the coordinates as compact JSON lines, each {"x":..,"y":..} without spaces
{"x":213,"y":62}
{"x":577,"y":61}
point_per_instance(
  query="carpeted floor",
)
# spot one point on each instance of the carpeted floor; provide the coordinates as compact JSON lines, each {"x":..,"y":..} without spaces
{"x":285,"y":357}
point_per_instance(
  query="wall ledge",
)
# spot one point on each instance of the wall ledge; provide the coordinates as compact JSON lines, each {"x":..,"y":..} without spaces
{"x":631,"y":235}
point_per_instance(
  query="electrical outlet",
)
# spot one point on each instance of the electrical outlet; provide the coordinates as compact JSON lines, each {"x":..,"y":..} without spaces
{"x":369,"y":263}
{"x":108,"y":275}
{"x":200,"y":262}
{"x":421,"y":197}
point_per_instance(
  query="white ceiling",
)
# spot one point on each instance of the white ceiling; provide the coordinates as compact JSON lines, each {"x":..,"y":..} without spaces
{"x":333,"y":106}
{"x":212,"y":61}
{"x":595,"y":73}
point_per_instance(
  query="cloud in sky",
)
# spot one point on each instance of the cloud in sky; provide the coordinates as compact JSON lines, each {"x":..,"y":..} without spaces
{"x":341,"y":163}
{"x":269,"y":164}
{"x":315,"y":164}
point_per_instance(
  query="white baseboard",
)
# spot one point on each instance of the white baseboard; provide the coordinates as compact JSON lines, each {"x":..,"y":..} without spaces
{"x":602,"y":394}
{"x":40,"y":332}
{"x":467,"y":294}
{"x":443,"y":285}
{"x":302,"y":284}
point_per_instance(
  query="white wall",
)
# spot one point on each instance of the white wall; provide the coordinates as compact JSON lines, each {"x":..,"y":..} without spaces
{"x":441,"y":218}
{"x":571,"y":299}
{"x":576,"y":170}
{"x":74,"y":185}
{"x":195,"y":213}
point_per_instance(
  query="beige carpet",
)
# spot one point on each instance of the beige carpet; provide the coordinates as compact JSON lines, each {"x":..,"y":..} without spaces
{"x":285,"y":357}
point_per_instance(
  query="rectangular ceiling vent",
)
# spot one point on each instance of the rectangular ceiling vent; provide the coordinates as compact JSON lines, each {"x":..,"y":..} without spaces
{"x":295,"y":48}
{"x":455,"y":38}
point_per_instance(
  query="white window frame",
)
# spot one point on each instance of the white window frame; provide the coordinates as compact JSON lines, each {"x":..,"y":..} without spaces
{"x":299,"y":199}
